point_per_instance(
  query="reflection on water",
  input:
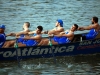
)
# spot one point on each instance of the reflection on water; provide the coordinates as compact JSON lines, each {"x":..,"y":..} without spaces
{"x":72,"y":65}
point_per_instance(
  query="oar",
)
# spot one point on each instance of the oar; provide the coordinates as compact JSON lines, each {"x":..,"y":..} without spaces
{"x":16,"y":46}
{"x":50,"y":43}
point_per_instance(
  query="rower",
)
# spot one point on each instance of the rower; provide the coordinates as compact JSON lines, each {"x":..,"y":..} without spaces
{"x":2,"y":35}
{"x":11,"y":43}
{"x":67,"y":37}
{"x":94,"y":29}
{"x":32,"y":40}
{"x":57,"y":30}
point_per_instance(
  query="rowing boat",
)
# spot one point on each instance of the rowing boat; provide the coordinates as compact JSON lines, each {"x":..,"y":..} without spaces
{"x":76,"y":47}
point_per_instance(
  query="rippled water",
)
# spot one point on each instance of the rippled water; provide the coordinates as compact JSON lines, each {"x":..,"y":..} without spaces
{"x":73,"y":65}
{"x":13,"y":13}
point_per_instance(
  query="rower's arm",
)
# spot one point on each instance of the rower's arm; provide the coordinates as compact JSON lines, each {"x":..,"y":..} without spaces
{"x":33,"y":38}
{"x":64,"y":35}
{"x":11,"y":34}
{"x":32,"y":32}
{"x":59,"y":35}
{"x":20,"y":33}
{"x":87,"y":27}
{"x":44,"y":32}
{"x":67,"y":35}
{"x":53,"y":31}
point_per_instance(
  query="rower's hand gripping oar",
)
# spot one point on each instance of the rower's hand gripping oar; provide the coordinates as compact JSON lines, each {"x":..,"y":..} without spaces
{"x":16,"y":46}
{"x":50,"y":43}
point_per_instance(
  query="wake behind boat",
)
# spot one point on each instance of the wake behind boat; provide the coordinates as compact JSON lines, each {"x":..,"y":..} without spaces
{"x":76,"y":47}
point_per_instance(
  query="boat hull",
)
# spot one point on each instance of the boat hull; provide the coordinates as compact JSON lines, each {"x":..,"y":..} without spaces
{"x":70,"y":49}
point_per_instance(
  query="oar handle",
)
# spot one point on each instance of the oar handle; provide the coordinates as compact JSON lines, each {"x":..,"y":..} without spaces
{"x":16,"y":43}
{"x":16,"y":46}
{"x":50,"y":43}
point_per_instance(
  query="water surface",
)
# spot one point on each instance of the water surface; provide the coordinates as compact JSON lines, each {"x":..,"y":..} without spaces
{"x":13,"y":13}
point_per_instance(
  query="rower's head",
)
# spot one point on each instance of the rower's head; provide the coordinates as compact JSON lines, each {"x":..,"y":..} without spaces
{"x":2,"y":28}
{"x":39,"y":29}
{"x":94,"y":20}
{"x":26,"y":25}
{"x":74,"y":27}
{"x":59,"y":23}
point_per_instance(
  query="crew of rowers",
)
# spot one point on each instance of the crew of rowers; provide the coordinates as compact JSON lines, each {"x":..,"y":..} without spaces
{"x":57,"y":35}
